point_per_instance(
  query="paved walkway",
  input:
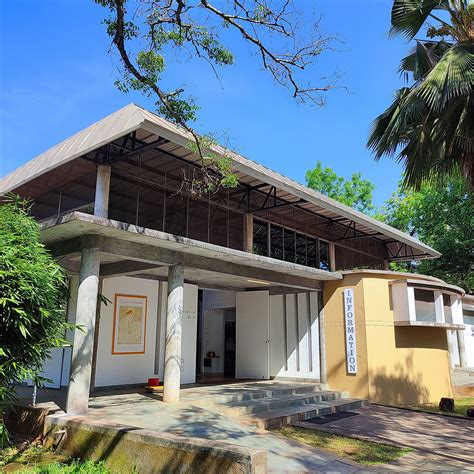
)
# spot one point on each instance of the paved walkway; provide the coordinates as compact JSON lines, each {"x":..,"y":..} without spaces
{"x":442,"y":443}
{"x":143,"y":410}
{"x":283,"y":455}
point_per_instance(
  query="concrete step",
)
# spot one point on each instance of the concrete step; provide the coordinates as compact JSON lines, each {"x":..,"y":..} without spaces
{"x":256,"y":392}
{"x":278,"y":418}
{"x":248,"y":407}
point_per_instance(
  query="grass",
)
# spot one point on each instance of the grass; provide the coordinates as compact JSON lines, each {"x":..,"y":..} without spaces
{"x":34,"y":459}
{"x":363,"y":452}
{"x":460,"y":406}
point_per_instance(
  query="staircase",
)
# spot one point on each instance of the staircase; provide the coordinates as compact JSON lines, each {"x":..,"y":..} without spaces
{"x":277,"y":403}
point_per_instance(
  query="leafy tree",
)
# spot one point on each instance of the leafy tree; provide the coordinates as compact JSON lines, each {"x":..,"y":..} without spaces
{"x":442,"y":217}
{"x":356,"y":192}
{"x":429,"y":127}
{"x":33,"y":295}
{"x":147,"y":33}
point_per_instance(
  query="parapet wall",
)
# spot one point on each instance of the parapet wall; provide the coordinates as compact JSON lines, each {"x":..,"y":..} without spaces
{"x":126,"y":449}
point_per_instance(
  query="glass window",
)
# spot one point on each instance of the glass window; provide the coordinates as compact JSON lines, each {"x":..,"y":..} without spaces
{"x":289,"y":245}
{"x":276,"y":247}
{"x":175,"y":218}
{"x":198,"y":220}
{"x":448,"y":315}
{"x":424,"y":305}
{"x":260,"y":237}
{"x":218,"y":226}
{"x":312,"y":252}
{"x":323,"y":255}
{"x":236,"y":230}
{"x":301,"y":249}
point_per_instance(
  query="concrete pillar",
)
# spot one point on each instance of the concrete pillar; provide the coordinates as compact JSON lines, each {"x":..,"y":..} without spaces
{"x":332,"y":256}
{"x":82,"y":351}
{"x":322,"y":339}
{"x":439,"y":307}
{"x":450,"y":335}
{"x":461,"y":348}
{"x":102,"y":191}
{"x":174,"y":327}
{"x":248,"y":235}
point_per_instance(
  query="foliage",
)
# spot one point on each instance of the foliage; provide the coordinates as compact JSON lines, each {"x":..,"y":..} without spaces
{"x":75,"y":467}
{"x":147,"y":33}
{"x":442,"y":217}
{"x":429,"y":127}
{"x":364,"y":452}
{"x":33,"y":295}
{"x":356,"y":192}
{"x":35,"y":459}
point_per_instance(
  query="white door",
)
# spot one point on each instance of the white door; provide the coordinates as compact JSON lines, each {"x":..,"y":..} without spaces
{"x":252,"y":335}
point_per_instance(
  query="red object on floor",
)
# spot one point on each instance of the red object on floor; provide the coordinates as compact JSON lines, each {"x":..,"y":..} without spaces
{"x":153,"y":382}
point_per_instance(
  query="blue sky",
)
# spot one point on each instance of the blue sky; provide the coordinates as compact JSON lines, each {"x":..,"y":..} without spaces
{"x":56,"y":77}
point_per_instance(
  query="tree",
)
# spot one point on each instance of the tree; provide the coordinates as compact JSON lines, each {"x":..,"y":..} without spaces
{"x":287,"y":41}
{"x":429,"y":127}
{"x":442,"y":217}
{"x":356,"y":192}
{"x":33,"y":296}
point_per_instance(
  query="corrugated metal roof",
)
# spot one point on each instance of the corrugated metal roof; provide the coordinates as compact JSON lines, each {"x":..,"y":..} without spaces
{"x":133,"y":117}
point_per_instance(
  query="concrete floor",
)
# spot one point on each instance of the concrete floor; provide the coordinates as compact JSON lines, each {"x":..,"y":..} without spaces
{"x":144,"y":410}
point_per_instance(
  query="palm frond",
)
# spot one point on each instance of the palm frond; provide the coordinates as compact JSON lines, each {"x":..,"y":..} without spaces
{"x":391,"y":128}
{"x":408,"y":16}
{"x":423,"y":58}
{"x":453,"y":76}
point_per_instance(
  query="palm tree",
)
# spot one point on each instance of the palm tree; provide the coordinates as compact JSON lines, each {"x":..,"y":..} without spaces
{"x":429,"y":127}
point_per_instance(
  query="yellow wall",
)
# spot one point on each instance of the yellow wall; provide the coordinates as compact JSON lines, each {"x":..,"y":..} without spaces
{"x":357,"y":385}
{"x":396,"y":365}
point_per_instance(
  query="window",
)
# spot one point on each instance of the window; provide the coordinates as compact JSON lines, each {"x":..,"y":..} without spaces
{"x":276,"y":238}
{"x":301,"y":249}
{"x":424,"y":305}
{"x":289,"y":245}
{"x":448,"y":315}
{"x":260,"y":238}
{"x":323,"y":255}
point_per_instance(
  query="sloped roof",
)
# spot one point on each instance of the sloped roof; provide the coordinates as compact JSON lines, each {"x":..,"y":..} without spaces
{"x":133,"y":117}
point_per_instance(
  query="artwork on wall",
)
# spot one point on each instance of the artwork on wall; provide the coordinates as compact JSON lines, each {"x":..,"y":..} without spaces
{"x":129,"y":330}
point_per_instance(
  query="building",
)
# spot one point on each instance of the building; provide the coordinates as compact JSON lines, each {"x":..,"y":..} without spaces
{"x":247,"y":282}
{"x":461,"y":343}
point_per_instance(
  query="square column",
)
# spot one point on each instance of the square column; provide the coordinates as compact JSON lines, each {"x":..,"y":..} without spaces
{"x":102,"y":191}
{"x":83,"y":346}
{"x":174,"y":329}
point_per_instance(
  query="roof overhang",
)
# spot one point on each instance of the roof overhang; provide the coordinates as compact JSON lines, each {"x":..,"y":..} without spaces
{"x":132,"y":118}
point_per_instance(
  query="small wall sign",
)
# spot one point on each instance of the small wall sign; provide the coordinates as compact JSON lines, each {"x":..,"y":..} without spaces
{"x":349,"y":318}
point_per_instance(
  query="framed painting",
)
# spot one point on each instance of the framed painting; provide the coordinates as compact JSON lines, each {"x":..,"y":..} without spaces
{"x":129,"y":331}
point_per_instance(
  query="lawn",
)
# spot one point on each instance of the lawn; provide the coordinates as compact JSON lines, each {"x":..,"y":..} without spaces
{"x":460,"y":406}
{"x":363,"y":452}
{"x":34,"y":459}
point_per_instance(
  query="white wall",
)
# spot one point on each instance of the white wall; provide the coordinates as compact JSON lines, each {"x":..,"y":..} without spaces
{"x":469,"y":343}
{"x":123,"y":369}
{"x":213,"y":332}
{"x":294,"y":336}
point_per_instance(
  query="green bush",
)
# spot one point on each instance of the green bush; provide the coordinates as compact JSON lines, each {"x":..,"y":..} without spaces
{"x":33,"y":298}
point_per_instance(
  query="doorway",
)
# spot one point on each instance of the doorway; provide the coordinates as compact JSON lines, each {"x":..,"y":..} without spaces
{"x":216,"y":337}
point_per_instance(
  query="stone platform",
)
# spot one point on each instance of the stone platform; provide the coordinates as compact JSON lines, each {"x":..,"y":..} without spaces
{"x":224,"y":414}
